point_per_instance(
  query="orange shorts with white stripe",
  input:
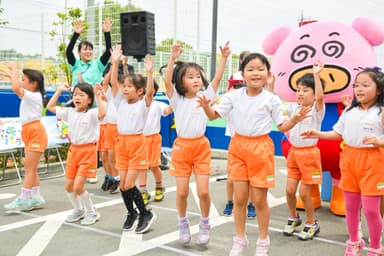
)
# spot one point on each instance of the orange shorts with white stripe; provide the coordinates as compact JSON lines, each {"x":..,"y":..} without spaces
{"x":111,"y":136}
{"x":252,"y":159}
{"x":81,"y":161}
{"x":131,"y":152}
{"x":191,"y":154}
{"x":34,"y":136}
{"x":362,"y":170}
{"x":154,"y":149}
{"x":102,"y":137}
{"x":304,"y":163}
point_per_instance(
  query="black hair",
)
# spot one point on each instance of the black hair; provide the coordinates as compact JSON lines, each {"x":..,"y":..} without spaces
{"x":87,"y":89}
{"x":36,"y":76}
{"x":138,"y":81}
{"x":179,"y":72}
{"x":156,"y":87}
{"x":252,"y":56}
{"x":84,"y":43}
{"x":378,"y":77}
{"x":309,"y":81}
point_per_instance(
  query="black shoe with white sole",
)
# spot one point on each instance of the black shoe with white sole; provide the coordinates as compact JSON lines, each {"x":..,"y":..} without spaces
{"x":145,"y":222}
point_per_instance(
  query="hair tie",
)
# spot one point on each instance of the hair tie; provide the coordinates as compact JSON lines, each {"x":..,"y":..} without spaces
{"x":376,"y":69}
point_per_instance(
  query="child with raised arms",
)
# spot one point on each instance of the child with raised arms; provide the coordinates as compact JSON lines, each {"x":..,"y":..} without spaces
{"x":191,"y":150}
{"x":251,"y":150}
{"x":361,"y":161}
{"x":83,"y":127}
{"x":153,"y":140}
{"x":303,"y":161}
{"x":133,"y":103}
{"x":31,"y":91}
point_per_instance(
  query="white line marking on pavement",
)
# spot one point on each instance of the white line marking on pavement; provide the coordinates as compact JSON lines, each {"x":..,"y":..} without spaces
{"x":42,"y":237}
{"x":138,"y":246}
{"x":7,"y":195}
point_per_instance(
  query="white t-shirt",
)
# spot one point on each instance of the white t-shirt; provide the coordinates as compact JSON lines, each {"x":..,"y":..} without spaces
{"x":111,"y":116}
{"x":355,"y":124}
{"x":252,"y":116}
{"x":312,"y":122}
{"x":31,"y":107}
{"x":191,"y":120}
{"x":131,"y":118}
{"x":83,"y":127}
{"x":156,"y":111}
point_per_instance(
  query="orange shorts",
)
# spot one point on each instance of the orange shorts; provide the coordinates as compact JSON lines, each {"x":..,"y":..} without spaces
{"x":362,"y":170}
{"x":304,"y":163}
{"x":131,"y":152}
{"x":82,"y":161}
{"x":188,"y":154}
{"x":102,"y":137}
{"x":154,"y":149}
{"x":111,"y":136}
{"x":252,"y":159}
{"x":34,"y":136}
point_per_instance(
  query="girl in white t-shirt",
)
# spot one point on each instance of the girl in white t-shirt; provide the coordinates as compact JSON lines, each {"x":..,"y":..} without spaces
{"x":191,"y":149}
{"x":251,"y":150}
{"x":31,"y":92}
{"x":83,"y":127}
{"x":133,"y":101}
{"x":361,"y":162}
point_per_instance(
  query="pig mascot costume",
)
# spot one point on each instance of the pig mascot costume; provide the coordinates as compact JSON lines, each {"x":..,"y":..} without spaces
{"x":345,"y":50}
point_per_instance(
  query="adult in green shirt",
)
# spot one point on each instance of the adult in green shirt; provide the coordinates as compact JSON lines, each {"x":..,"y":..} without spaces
{"x":88,"y":69}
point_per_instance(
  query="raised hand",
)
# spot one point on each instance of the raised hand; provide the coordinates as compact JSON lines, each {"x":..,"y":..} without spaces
{"x":78,"y":26}
{"x":317,"y":67}
{"x":107,"y":25}
{"x":125,"y":60}
{"x":64,"y":88}
{"x":116,"y":54}
{"x":346,"y":100}
{"x":148,"y":63}
{"x":203,"y":101}
{"x":176,"y":50}
{"x":225,"y":50}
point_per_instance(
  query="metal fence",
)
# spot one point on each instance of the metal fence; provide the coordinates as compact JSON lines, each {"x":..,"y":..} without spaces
{"x":94,"y":16}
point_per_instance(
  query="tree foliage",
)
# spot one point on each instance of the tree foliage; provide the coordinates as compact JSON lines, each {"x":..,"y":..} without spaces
{"x":60,"y":33}
{"x":2,"y":22}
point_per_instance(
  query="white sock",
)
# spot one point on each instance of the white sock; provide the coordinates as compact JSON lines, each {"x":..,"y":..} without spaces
{"x":36,"y":192}
{"x":87,"y":202}
{"x":75,"y":200}
{"x":25,"y":193}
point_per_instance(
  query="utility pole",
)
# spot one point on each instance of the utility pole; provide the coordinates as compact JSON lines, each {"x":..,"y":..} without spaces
{"x":214,"y":39}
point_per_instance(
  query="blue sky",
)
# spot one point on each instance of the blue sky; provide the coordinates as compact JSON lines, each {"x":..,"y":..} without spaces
{"x":244,"y":23}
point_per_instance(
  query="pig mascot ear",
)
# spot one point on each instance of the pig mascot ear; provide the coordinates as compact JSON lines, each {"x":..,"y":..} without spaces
{"x":273,"y":40}
{"x":372,"y":30}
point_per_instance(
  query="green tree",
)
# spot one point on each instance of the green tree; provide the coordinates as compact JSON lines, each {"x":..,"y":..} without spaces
{"x":2,"y":22}
{"x":59,"y":32}
{"x":111,"y":10}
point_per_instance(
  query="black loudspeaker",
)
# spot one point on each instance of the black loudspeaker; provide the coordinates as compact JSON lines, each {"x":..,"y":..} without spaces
{"x":137,"y":33}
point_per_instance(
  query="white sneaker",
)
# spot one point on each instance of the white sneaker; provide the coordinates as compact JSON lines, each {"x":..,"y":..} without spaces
{"x":76,"y":215}
{"x":262,"y":247}
{"x":92,"y":180}
{"x":184,"y":233}
{"x":203,"y":238}
{"x":90,"y":218}
{"x":239,"y":246}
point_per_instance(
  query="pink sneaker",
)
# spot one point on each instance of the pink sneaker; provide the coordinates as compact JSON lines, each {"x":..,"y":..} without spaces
{"x":354,"y":248}
{"x":375,"y":252}
{"x":262,"y":247}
